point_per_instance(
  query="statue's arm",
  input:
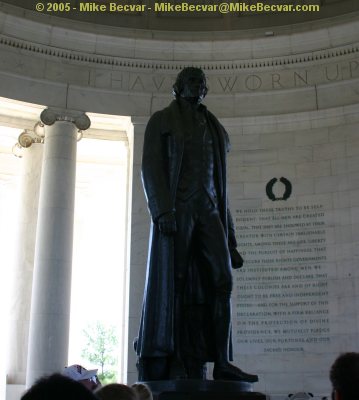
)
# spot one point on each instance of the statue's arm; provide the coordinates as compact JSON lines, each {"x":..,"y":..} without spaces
{"x":236,"y":258}
{"x":155,"y":169}
{"x":232,"y":241}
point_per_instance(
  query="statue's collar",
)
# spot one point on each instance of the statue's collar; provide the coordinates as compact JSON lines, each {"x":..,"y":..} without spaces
{"x":186,"y":105}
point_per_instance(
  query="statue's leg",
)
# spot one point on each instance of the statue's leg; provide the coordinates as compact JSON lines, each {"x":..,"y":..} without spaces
{"x":222,"y":325}
{"x":178,"y":321}
{"x":182,"y":241}
{"x":153,"y":369}
{"x":214,"y":247}
{"x":195,"y":369}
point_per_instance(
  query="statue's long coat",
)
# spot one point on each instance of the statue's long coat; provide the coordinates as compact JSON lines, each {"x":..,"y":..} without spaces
{"x":161,"y":163}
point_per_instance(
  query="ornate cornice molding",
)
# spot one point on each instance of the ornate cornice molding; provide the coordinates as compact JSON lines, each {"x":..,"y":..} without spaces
{"x":97,"y":60}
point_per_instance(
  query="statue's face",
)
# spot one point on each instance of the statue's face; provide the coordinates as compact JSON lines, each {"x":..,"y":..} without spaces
{"x":194,"y":86}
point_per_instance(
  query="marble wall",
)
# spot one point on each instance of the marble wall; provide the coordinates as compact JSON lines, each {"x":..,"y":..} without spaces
{"x":53,"y":62}
{"x":290,"y":103}
{"x":296,"y":299}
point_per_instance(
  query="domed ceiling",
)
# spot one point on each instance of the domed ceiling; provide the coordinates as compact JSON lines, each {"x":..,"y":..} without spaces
{"x":161,"y":14}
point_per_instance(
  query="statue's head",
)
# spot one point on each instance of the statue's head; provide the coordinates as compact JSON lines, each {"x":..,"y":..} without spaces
{"x":191,"y":84}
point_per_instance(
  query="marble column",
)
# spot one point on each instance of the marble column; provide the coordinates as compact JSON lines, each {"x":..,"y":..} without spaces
{"x":140,"y":223}
{"x":30,"y":149}
{"x":50,"y":306}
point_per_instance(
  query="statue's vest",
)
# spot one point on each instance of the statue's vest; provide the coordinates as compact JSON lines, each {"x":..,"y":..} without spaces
{"x":197,"y":168}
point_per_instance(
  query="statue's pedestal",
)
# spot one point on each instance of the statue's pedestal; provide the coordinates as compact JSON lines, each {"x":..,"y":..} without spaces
{"x":192,"y":389}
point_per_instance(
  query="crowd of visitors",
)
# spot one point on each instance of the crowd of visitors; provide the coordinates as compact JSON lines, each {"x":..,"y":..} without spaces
{"x":344,"y":376}
{"x":58,"y":387}
{"x":78,"y":383}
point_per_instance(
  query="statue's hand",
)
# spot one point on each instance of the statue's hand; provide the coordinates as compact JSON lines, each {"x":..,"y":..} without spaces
{"x":167,"y":223}
{"x":236,"y":258}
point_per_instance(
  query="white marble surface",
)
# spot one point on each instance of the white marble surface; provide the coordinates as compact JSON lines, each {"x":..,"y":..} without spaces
{"x":32,"y":91}
{"x":82,"y":41}
{"x":307,"y":37}
{"x":290,"y":104}
{"x":122,"y":47}
{"x":47,"y":62}
{"x":309,"y":371}
{"x":30,"y":30}
{"x":22,"y":278}
{"x":50,"y":308}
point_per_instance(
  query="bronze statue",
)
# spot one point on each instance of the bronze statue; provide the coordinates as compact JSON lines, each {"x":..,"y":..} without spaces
{"x":186,"y":317}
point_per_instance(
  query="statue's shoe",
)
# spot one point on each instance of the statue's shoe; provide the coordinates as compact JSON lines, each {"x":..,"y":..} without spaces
{"x":229,"y":372}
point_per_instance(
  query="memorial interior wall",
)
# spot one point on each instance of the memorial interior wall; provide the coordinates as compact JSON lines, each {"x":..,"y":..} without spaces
{"x":290,"y":103}
{"x":294,"y":196}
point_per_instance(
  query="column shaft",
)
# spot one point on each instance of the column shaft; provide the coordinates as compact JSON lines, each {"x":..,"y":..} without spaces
{"x":140,"y":221}
{"x":20,"y":298}
{"x":50,"y":308}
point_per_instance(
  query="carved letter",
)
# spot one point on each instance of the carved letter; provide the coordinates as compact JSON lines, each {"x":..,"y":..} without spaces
{"x":137,"y":81}
{"x":116,"y":79}
{"x":255,"y":80}
{"x":298,"y":76}
{"x":329,"y":78}
{"x":227,"y":83}
{"x":158,"y":85}
{"x":276,"y":81}
{"x":353,"y":66}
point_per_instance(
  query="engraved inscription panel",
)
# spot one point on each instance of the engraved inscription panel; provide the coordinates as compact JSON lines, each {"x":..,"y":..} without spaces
{"x":282,"y":300}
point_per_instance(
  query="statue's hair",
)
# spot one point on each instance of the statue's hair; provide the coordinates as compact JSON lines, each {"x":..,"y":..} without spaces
{"x":344,"y":375}
{"x":179,"y":84}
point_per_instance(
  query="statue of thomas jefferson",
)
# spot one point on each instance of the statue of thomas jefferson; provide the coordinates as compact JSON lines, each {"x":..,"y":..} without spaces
{"x":186,"y":315}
